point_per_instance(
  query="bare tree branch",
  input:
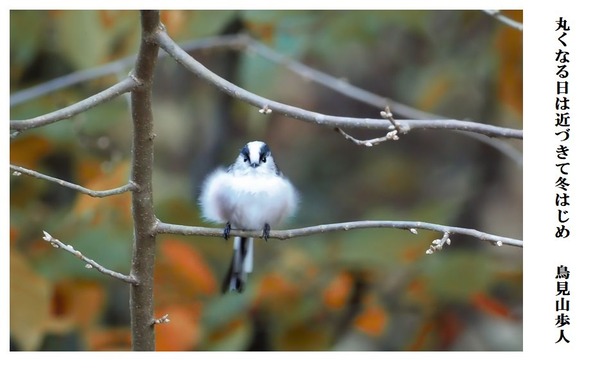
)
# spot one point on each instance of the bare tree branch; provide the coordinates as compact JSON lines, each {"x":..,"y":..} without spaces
{"x":65,"y":81}
{"x":96,"y":194}
{"x":337,"y":84}
{"x":241,"y":42}
{"x":343,"y":87}
{"x":496,"y":14}
{"x":167,"y":44}
{"x":144,"y":239}
{"x":167,"y":228}
{"x":89,"y":262}
{"x":123,"y":86}
{"x":115,"y":67}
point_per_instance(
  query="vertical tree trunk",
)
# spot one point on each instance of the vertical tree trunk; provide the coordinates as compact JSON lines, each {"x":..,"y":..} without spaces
{"x":144,"y":240}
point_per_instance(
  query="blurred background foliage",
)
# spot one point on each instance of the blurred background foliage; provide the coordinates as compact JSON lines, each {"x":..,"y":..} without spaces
{"x":359,"y":290}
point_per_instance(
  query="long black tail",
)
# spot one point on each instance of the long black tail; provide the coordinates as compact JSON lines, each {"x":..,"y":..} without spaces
{"x":241,"y":265}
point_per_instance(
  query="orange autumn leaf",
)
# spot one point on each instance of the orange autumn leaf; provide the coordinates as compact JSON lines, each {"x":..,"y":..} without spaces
{"x":28,"y":151}
{"x":88,"y":170}
{"x":96,"y":207}
{"x":509,"y":44}
{"x":186,"y":263}
{"x":182,"y":332}
{"x":113,"y":339}
{"x":81,"y":302}
{"x":337,"y":292}
{"x":275,"y":285}
{"x":489,"y":305}
{"x":372,"y":320}
{"x":174,"y":21}
{"x":116,"y":177}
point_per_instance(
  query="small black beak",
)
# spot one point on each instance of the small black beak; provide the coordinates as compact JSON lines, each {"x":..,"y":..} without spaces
{"x":254,"y":165}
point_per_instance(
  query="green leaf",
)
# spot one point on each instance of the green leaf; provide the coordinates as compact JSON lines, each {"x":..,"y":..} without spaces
{"x":82,"y":38}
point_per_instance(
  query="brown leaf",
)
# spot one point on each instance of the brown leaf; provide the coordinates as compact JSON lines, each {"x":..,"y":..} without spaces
{"x":304,"y":337}
{"x":30,"y":298}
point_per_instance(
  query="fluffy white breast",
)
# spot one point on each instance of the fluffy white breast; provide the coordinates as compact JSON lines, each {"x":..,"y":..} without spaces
{"x":247,"y":201}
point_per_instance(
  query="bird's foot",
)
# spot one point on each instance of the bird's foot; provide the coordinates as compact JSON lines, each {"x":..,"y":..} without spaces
{"x":226,"y":231}
{"x":266,"y":231}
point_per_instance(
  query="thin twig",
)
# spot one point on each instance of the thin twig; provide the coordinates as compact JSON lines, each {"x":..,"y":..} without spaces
{"x":438,"y":244}
{"x":123,"y":86}
{"x":89,"y":262}
{"x":392,"y":135}
{"x":504,"y":19}
{"x":162,"y":320}
{"x":167,"y":44}
{"x":395,"y":129}
{"x":96,"y":194}
{"x":167,"y":228}
{"x":387,"y":114}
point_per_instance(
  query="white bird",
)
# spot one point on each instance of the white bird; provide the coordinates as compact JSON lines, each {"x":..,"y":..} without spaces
{"x":251,"y":194}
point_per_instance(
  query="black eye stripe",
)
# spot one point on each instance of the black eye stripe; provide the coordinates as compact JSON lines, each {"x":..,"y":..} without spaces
{"x":245,"y":152}
{"x":263,"y":153}
{"x":264,"y":150}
